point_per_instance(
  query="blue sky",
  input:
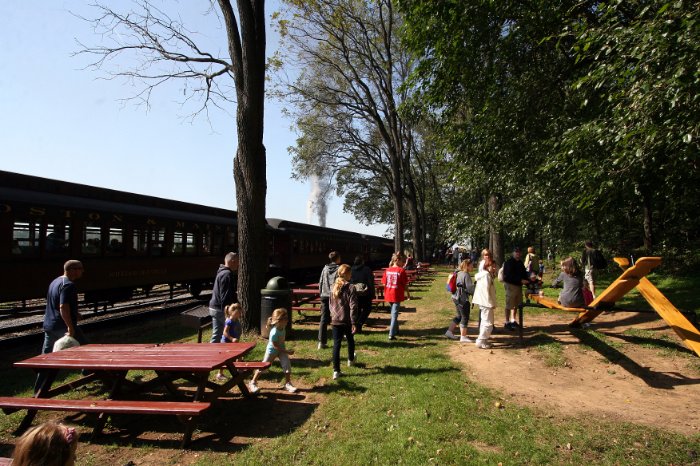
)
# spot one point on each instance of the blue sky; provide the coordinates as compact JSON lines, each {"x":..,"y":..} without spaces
{"x":61,"y":121}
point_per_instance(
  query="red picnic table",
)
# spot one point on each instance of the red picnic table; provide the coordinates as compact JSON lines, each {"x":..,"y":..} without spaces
{"x":112,"y":362}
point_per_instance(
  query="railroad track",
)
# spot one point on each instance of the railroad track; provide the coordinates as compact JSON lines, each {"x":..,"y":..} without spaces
{"x":26,"y":328}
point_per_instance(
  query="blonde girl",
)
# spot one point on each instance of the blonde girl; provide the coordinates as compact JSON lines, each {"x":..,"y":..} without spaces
{"x":277,"y":323}
{"x":485,"y":297}
{"x":232,"y":329}
{"x":344,"y":313}
{"x":49,"y":444}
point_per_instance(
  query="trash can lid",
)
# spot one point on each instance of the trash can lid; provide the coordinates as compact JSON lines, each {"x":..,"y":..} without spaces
{"x":277,"y":284}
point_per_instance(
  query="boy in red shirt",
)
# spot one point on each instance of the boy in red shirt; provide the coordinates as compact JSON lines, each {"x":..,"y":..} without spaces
{"x":395,"y":281}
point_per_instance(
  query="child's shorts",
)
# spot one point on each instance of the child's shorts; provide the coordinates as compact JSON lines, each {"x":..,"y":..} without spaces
{"x":284,"y":361}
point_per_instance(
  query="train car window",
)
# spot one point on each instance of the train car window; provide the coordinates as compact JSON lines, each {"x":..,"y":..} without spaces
{"x":295,"y":246}
{"x":139,"y":243}
{"x":190,"y":245}
{"x":115,"y":246}
{"x":177,"y":242}
{"x":92,"y":239}
{"x":25,"y":238}
{"x":57,"y":238}
{"x":217,"y":243}
{"x":205,"y":245}
{"x":157,"y":241}
{"x":230,"y":239}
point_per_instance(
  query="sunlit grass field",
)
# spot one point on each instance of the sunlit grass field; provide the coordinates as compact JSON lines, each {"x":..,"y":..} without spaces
{"x":404,"y":402}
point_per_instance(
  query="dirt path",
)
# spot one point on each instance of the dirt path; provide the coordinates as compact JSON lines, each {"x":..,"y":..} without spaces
{"x":644,"y":385}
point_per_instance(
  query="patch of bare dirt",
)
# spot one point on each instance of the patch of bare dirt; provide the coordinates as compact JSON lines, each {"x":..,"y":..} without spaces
{"x":616,"y":379}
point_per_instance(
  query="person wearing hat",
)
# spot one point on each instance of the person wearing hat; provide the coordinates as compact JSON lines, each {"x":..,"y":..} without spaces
{"x":514,"y":277}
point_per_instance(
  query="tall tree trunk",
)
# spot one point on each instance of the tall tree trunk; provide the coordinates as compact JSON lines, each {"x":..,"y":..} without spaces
{"x":397,"y":195}
{"x":247,"y":49}
{"x":495,"y":231}
{"x":647,"y":211}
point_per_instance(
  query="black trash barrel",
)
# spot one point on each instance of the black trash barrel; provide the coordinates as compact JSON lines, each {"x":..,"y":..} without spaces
{"x":275,"y":294}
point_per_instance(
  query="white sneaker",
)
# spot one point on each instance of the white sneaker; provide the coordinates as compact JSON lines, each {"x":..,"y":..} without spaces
{"x":451,"y":335}
{"x":336,"y":374}
{"x":465,"y":340}
{"x":483,"y":345}
{"x":253,"y":387}
{"x":351,"y":363}
{"x":290,"y":388}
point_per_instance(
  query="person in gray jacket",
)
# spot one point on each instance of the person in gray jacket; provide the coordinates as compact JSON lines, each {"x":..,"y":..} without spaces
{"x":325,"y":284}
{"x":572,"y":293}
{"x":465,"y":287}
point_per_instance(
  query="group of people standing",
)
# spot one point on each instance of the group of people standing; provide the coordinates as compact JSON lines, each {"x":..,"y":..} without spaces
{"x":578,"y":288}
{"x":346,"y":301}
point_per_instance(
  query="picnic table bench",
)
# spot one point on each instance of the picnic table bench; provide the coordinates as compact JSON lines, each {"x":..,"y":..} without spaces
{"x":112,"y":363}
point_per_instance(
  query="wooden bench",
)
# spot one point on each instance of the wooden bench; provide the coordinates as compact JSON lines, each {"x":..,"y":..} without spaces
{"x":249,"y":366}
{"x":185,"y":411}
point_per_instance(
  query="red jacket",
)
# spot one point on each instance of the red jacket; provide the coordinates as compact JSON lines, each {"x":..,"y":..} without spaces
{"x":394,"y":281}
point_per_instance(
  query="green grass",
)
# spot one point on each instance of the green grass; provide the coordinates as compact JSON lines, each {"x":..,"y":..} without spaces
{"x":408,"y":402}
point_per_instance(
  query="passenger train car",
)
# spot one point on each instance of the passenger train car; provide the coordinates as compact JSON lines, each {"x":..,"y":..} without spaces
{"x":128,"y":241}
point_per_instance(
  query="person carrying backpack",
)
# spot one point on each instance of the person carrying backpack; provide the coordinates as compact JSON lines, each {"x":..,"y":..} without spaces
{"x":593,"y":261}
{"x":464,"y":287}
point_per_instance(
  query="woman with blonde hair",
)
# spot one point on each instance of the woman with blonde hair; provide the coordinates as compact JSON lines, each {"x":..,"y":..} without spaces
{"x":344,"y":314}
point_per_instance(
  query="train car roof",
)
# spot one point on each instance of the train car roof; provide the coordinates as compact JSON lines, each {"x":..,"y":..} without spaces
{"x":27,"y":189}
{"x":290,"y":226}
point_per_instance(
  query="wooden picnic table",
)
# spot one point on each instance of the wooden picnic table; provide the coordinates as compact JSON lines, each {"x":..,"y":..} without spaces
{"x":112,"y":362}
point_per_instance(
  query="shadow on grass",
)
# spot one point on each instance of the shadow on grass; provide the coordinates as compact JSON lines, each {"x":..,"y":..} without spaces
{"x":229,"y":426}
{"x":663,"y":380}
{"x":542,"y":335}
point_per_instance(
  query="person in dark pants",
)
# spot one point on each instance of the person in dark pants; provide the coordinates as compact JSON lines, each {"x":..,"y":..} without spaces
{"x":344,"y":314}
{"x":325,"y":283}
{"x":514,"y":277}
{"x":363,"y":274}
{"x":61,"y":315}
{"x":223,"y":294}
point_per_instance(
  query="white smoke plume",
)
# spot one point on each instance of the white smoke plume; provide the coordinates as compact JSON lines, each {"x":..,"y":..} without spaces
{"x":317,"y":203}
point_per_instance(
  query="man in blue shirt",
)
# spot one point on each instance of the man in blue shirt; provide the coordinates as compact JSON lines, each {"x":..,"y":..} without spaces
{"x":61,"y":316}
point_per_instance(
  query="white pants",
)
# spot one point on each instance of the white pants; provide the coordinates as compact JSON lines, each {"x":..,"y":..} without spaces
{"x":486,"y":326}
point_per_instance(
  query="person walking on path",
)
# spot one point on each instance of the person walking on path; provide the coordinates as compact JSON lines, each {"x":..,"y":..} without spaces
{"x":223,"y":294}
{"x":465,"y":287}
{"x":361,"y":273}
{"x":276,"y":348}
{"x":344,"y":314}
{"x":325,"y":283}
{"x":514,"y":277}
{"x":485,"y":297}
{"x":395,"y":281}
{"x":61,"y":315}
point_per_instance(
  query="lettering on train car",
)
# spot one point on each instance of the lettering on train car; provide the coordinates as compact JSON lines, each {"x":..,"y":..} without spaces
{"x":137,"y":273}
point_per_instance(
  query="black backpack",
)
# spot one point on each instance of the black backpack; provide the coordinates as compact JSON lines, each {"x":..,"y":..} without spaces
{"x":598,"y":261}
